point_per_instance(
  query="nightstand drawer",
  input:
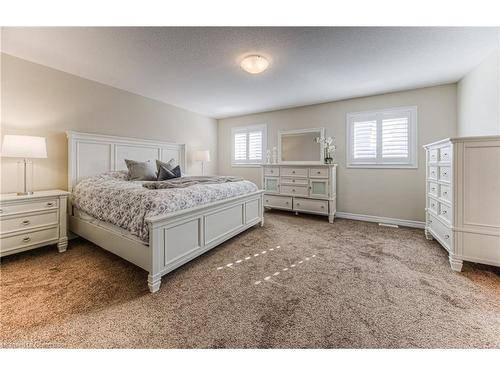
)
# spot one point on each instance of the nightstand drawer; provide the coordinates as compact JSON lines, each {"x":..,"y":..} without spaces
{"x":29,"y":221}
{"x":28,"y":239}
{"x":22,"y":207}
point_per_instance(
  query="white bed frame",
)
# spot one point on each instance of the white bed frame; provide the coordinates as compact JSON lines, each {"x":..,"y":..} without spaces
{"x":174,"y":238}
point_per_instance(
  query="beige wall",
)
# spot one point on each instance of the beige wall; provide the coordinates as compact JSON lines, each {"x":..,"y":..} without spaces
{"x":478,"y":95}
{"x":395,"y":193}
{"x":37,"y":100}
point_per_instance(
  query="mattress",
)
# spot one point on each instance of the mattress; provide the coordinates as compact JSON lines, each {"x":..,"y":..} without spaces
{"x":110,"y":198}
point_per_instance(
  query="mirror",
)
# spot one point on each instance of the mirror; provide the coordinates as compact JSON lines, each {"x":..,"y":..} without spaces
{"x":299,"y":146}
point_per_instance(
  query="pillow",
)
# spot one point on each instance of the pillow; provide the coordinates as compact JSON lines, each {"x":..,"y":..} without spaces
{"x":141,"y":170}
{"x":167,"y":164}
{"x":166,"y":174}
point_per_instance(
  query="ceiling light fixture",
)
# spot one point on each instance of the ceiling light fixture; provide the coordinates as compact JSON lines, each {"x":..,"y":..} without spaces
{"x":254,"y":64}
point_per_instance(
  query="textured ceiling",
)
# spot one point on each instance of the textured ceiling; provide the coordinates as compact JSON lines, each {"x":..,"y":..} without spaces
{"x":198,"y":68}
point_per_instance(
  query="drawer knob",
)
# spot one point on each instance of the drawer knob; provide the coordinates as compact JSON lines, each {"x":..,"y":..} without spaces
{"x":298,"y":204}
{"x":26,"y":239}
{"x":445,"y":193}
{"x":322,"y":206}
{"x":445,"y":212}
{"x":25,"y":222}
{"x":267,"y":200}
{"x":286,"y":202}
{"x":50,"y":204}
{"x":433,"y":189}
{"x":293,"y":180}
{"x":293,"y":172}
{"x":293,"y":190}
{"x":1,"y":210}
{"x":430,"y":221}
{"x":446,"y":236}
{"x":445,"y":154}
{"x":319,"y":172}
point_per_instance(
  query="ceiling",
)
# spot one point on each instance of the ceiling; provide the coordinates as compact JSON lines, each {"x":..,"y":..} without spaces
{"x":198,"y":68}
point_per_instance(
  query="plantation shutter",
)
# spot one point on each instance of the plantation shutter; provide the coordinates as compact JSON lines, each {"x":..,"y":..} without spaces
{"x":365,"y":139}
{"x":255,"y":145}
{"x":395,"y":132}
{"x":240,"y":146}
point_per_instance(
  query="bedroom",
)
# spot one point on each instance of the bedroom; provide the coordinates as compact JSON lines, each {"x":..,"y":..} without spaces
{"x":264,"y":187}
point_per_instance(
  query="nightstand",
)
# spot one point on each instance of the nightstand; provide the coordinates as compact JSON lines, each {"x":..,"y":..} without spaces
{"x":31,"y":221}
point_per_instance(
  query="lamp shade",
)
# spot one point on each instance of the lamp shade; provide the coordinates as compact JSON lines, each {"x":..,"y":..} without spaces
{"x":202,"y":155}
{"x":24,"y":146}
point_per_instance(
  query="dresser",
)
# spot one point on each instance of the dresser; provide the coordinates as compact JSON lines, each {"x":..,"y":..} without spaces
{"x":31,"y":221}
{"x":463,"y":198}
{"x":301,"y":188}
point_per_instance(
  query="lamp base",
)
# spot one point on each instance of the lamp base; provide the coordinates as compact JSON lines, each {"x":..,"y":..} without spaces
{"x":25,"y":193}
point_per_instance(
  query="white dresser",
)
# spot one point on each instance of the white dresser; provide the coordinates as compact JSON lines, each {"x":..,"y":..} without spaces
{"x":31,"y":221}
{"x":301,"y":188}
{"x":463,"y":198}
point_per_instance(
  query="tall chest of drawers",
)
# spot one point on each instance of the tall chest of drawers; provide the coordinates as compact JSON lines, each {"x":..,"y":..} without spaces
{"x":301,"y":188}
{"x":463,"y":198}
{"x":31,"y":221}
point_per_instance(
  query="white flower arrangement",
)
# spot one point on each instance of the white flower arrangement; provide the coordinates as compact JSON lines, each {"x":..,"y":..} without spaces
{"x":328,"y":146}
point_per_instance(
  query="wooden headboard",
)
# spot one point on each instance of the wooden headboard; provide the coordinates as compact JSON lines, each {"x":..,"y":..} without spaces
{"x":91,"y":154}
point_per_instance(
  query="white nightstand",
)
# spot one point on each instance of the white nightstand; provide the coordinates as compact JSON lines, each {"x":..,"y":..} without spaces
{"x":31,"y":221}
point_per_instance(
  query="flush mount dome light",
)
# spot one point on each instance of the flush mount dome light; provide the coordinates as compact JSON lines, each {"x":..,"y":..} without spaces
{"x":254,"y":64}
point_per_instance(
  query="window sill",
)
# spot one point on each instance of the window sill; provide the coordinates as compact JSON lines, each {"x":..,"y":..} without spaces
{"x":233,"y":165}
{"x":382,"y":166}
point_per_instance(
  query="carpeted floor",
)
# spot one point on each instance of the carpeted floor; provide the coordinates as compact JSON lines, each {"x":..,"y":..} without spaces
{"x":351,"y":284}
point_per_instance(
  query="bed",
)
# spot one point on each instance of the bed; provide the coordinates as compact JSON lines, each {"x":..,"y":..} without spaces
{"x":162,"y":239}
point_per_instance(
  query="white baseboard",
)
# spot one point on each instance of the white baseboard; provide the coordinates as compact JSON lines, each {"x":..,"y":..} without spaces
{"x":380,"y":219}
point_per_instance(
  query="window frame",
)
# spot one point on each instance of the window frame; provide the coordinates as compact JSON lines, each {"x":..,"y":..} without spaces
{"x":247,"y":129}
{"x":410,"y":163}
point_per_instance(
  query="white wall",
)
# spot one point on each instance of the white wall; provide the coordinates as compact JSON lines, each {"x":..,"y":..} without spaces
{"x":478,"y":96}
{"x":395,"y":193}
{"x":37,"y":100}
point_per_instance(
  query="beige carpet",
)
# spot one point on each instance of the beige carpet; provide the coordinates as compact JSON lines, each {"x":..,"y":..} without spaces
{"x":351,"y":284}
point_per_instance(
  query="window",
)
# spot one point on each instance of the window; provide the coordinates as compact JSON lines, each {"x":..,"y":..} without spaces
{"x":385,"y":138}
{"x":248,"y":145}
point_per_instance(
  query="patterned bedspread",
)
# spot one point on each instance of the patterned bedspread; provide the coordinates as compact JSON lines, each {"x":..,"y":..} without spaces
{"x":111,"y":198}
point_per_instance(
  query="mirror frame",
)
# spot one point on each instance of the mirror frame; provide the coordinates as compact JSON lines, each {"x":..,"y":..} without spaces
{"x":299,"y":131}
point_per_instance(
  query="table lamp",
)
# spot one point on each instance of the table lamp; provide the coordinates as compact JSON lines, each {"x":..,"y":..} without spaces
{"x":26,"y":147}
{"x":203,"y":156}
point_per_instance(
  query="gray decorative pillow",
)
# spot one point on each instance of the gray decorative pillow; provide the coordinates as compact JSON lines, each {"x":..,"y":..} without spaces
{"x":141,"y":170}
{"x":165,"y":173}
{"x":167,"y":164}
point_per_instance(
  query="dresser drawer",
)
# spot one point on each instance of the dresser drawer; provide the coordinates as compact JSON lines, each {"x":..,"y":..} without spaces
{"x":277,"y":201}
{"x":318,"y":172}
{"x":29,"y":221}
{"x":445,"y":192}
{"x":293,"y":181}
{"x":22,"y":207}
{"x":28,"y":239}
{"x":271,"y":171}
{"x":445,"y":173}
{"x":294,"y":190}
{"x":433,"y":189}
{"x":433,"y":206}
{"x":445,"y":212}
{"x":433,"y":155}
{"x":441,"y":231}
{"x":293,"y":171}
{"x":445,"y":154}
{"x":310,"y":205}
{"x":433,"y":173}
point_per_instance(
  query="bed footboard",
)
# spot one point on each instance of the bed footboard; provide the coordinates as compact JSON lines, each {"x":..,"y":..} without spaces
{"x":179,"y":237}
